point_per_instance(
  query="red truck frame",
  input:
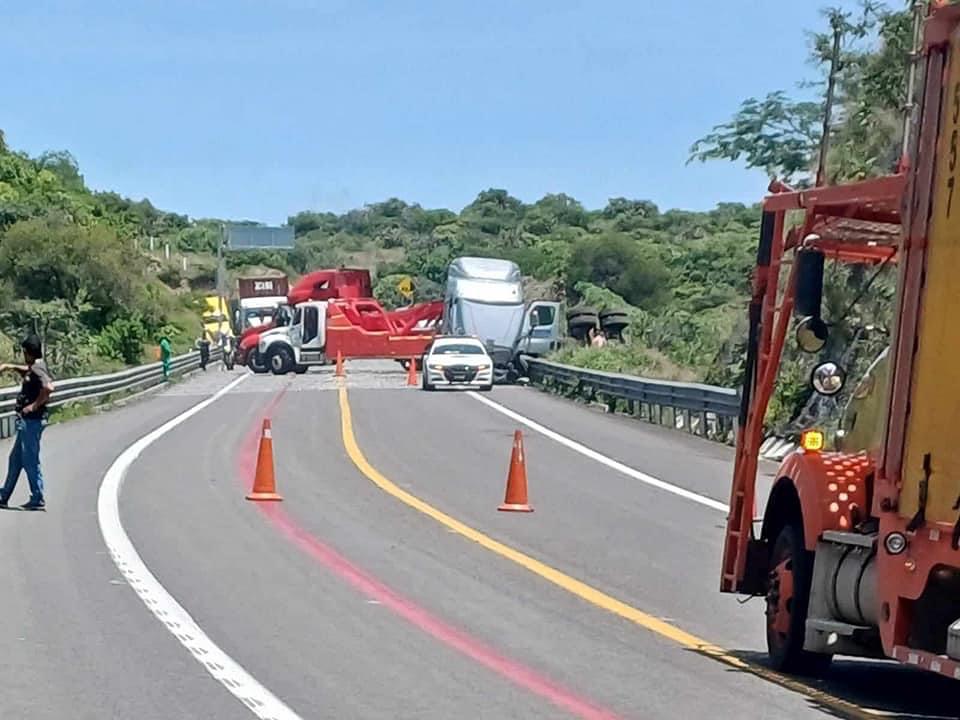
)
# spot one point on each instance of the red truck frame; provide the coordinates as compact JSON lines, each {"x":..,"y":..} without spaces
{"x":905,"y":586}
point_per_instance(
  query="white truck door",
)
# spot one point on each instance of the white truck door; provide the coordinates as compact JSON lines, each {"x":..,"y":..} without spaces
{"x":541,"y":325}
{"x":295,"y":333}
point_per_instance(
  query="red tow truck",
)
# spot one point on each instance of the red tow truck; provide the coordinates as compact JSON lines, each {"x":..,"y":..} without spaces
{"x":858,"y":552}
{"x":322,"y":330}
{"x":333,"y":311}
{"x":315,"y":285}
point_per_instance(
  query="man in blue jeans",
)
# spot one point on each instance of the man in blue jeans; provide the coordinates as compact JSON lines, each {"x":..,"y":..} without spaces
{"x":35,"y":389}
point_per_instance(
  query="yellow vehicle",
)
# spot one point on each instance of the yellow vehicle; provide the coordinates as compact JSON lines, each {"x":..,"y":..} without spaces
{"x":216,"y":317}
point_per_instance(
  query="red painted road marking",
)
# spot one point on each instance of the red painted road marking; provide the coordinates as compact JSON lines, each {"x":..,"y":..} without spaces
{"x":366,"y":584}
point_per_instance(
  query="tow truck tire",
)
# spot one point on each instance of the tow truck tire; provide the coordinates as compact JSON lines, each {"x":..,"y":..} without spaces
{"x":788,"y":595}
{"x":280,"y":360}
{"x":256,"y":364}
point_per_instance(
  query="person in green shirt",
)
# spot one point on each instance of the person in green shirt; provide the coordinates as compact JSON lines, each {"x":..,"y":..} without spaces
{"x":166,"y":353}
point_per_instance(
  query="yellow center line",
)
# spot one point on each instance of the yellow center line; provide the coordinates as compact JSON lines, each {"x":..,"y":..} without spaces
{"x":595,"y":597}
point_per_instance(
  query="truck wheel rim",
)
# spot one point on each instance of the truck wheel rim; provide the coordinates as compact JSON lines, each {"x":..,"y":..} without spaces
{"x":276,"y":362}
{"x":780,"y":598}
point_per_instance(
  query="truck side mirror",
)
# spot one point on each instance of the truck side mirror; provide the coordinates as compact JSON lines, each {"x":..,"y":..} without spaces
{"x":812,"y":334}
{"x":809,"y":290}
{"x":828,"y":379}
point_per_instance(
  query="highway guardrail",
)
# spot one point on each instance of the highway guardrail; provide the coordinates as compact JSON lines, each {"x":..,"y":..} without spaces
{"x":95,"y":387}
{"x":705,"y":410}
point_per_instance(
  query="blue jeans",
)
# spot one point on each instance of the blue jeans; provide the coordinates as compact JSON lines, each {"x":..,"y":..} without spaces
{"x":25,"y":455}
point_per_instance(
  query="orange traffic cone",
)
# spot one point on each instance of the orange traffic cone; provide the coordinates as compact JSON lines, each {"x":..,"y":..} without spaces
{"x":412,"y":373}
{"x":516,"y":499}
{"x":264,"y":484}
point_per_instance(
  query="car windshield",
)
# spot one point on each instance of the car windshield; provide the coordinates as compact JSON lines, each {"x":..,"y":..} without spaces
{"x":458,"y":349}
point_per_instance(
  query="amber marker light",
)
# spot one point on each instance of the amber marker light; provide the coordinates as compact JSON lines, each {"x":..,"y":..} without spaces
{"x":811,"y":441}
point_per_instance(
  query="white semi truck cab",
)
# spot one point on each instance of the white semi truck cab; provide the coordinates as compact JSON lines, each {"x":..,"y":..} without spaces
{"x":300,"y":344}
{"x":484,"y":298}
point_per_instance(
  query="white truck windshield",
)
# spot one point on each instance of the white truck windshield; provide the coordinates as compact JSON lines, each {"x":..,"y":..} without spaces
{"x":499,"y":323}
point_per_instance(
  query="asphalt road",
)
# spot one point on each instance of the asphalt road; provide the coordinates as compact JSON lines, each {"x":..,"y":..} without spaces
{"x":347,"y":603}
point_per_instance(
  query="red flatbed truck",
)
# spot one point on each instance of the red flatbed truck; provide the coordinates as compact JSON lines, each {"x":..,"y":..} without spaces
{"x":859,"y":548}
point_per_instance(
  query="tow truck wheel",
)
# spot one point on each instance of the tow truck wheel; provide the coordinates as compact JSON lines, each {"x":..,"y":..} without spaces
{"x":256,"y":364}
{"x":788,"y":594}
{"x":281,"y":360}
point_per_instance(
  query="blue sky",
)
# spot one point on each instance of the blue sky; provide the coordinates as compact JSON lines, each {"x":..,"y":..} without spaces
{"x":257,"y":109}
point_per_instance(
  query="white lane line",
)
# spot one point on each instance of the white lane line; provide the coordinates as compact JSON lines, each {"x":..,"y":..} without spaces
{"x":255,"y":697}
{"x":602,"y":459}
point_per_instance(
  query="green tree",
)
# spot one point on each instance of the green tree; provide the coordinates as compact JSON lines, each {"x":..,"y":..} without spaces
{"x":553,"y":211}
{"x":622,"y":265}
{"x":123,"y":339}
{"x":860,"y":88}
{"x":62,"y":164}
{"x":866,"y":140}
{"x":493,"y":212}
{"x":51,"y":258}
{"x":776,"y":134}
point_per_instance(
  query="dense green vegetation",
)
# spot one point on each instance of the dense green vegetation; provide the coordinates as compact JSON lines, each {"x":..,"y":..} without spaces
{"x":851,"y":131}
{"x":91,"y":270}
{"x":77,"y":265}
{"x":71,"y":268}
{"x":683,"y":275}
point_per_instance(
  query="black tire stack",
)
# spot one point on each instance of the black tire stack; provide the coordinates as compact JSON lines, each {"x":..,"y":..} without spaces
{"x":613,"y":323}
{"x":579,"y":322}
{"x":581,"y":319}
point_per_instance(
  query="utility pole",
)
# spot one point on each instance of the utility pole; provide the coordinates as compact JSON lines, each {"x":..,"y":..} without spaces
{"x":221,"y":273}
{"x":919,"y":9}
{"x":836,"y":22}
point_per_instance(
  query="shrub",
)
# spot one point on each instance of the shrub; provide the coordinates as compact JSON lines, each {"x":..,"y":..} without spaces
{"x":123,"y":339}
